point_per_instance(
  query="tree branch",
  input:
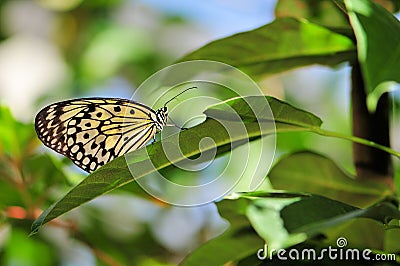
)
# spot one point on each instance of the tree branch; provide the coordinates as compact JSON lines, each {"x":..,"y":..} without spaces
{"x":370,"y":163}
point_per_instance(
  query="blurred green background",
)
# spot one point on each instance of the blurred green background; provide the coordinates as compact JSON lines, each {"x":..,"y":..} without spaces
{"x":52,"y":50}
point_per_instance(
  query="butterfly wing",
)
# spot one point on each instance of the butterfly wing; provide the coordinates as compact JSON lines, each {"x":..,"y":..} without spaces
{"x":94,"y":131}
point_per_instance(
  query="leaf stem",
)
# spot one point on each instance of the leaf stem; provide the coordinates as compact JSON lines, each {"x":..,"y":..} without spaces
{"x":355,"y":139}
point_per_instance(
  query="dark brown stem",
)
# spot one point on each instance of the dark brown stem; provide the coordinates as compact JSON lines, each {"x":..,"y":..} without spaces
{"x":370,"y":163}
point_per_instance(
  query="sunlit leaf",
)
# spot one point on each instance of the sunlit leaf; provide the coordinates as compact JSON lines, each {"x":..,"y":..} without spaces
{"x":378,"y":37}
{"x":282,"y":45}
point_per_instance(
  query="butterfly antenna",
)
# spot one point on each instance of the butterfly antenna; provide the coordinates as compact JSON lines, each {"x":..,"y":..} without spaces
{"x":165,"y":104}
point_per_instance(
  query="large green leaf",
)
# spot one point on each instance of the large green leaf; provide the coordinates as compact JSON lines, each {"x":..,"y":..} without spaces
{"x":116,"y":173}
{"x":314,"y":173}
{"x":281,"y":220}
{"x":285,"y":115}
{"x":378,"y":36}
{"x":284,"y":44}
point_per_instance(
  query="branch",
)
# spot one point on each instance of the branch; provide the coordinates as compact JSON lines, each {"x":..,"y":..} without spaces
{"x":370,"y":163}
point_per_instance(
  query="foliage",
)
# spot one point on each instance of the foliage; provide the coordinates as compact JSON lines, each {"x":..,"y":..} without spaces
{"x":314,"y":201}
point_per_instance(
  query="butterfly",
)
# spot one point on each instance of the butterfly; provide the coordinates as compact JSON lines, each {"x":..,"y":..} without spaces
{"x":94,"y":131}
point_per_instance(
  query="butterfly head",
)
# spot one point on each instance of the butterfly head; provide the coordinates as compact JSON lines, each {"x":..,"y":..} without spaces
{"x":162,"y":116}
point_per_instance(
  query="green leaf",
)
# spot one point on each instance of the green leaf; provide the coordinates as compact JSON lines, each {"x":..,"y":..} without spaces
{"x":378,"y":36}
{"x":292,"y":218}
{"x":116,"y":173}
{"x":152,"y":158}
{"x":326,"y":13}
{"x":354,"y":231}
{"x":380,"y":237}
{"x":238,"y":242}
{"x":282,"y":45}
{"x":276,"y":235}
{"x":287,"y":118}
{"x":282,"y":220}
{"x":285,"y":115}
{"x":392,"y":236}
{"x":314,"y":173}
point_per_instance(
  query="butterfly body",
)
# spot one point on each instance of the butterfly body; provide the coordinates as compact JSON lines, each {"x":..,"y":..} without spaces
{"x":94,"y":131}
